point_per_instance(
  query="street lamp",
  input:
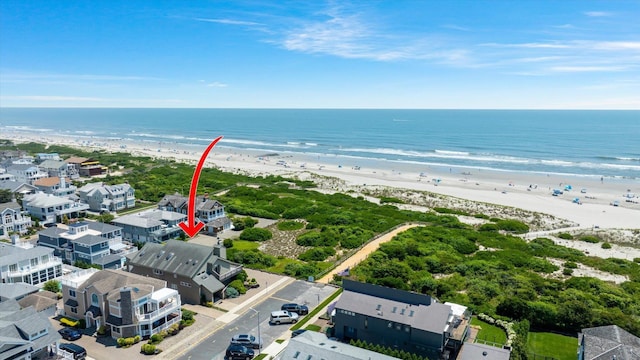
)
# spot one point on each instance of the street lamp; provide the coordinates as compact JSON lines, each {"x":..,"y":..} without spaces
{"x":259,"y":337}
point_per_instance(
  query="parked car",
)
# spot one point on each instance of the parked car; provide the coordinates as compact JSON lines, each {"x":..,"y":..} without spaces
{"x":238,"y":352}
{"x":295,"y":333}
{"x":247,"y":340}
{"x":70,"y":334}
{"x":296,"y":308}
{"x":283,"y":317}
{"x":78,"y":351}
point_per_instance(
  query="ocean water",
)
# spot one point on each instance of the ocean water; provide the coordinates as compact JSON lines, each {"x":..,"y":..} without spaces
{"x":584,"y":143}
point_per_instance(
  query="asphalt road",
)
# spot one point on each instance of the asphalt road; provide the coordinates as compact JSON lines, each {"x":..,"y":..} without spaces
{"x":213,"y":347}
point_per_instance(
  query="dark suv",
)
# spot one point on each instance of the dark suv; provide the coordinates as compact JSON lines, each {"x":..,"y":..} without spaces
{"x":238,"y":352}
{"x":70,"y":334}
{"x":296,"y":308}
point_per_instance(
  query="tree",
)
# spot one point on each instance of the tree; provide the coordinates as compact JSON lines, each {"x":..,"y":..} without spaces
{"x":5,"y":196}
{"x":52,"y":285}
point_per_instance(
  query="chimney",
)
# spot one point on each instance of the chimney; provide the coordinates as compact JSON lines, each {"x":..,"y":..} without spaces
{"x":63,"y":183}
{"x":205,"y":197}
{"x":126,"y":306}
{"x":220,"y":251}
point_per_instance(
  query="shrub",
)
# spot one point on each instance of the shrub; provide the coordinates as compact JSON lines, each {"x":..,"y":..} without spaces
{"x":231,"y":292}
{"x":570,"y":265}
{"x":567,"y":271}
{"x":129,"y":341}
{"x":256,"y":234}
{"x":317,"y":254}
{"x":148,"y":349}
{"x":565,"y":236}
{"x":156,"y":338}
{"x":606,"y":245}
{"x":228,"y":243}
{"x":481,"y":216}
{"x":290,"y":225}
{"x":590,"y":239}
{"x":514,"y":226}
{"x":52,"y":285}
{"x":101,"y":330}
{"x":636,"y":260}
{"x":238,"y":285}
{"x":136,"y":339}
{"x":489,"y":227}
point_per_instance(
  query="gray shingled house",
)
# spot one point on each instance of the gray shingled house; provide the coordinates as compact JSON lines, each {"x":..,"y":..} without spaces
{"x":399,"y":319}
{"x":209,"y":211}
{"x":608,"y":342}
{"x":25,"y":333}
{"x":198,"y":272}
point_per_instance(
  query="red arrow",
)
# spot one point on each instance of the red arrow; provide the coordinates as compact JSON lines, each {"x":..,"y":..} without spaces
{"x":190,"y":226}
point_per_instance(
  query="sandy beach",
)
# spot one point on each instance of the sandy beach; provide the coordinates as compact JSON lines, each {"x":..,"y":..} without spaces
{"x":526,"y":191}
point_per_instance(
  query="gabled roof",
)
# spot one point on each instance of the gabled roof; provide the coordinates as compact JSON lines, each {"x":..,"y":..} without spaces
{"x":90,"y":240}
{"x":14,"y":186}
{"x":137,"y":221}
{"x":175,"y":256}
{"x":39,"y":301}
{"x":42,"y":200}
{"x":21,"y":167}
{"x":52,"y":164}
{"x":608,"y":342}
{"x":76,"y":160}
{"x":16,"y":290}
{"x":176,"y":201}
{"x":102,"y":227}
{"x":10,"y":205}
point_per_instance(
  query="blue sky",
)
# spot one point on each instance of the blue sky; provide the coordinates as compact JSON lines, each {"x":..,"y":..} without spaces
{"x":476,"y":54}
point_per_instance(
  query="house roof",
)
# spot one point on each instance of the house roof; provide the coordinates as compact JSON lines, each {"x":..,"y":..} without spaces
{"x":608,"y":342}
{"x":10,"y":254}
{"x":109,"y":259}
{"x":102,"y":227}
{"x":43,"y":200}
{"x":202,"y":202}
{"x":105,"y":281}
{"x":49,"y":181}
{"x":179,"y":257}
{"x":40,"y":300}
{"x":76,"y":160}
{"x":14,"y":186}
{"x":9,"y":205}
{"x":219,"y":222}
{"x":315,"y":345}
{"x":137,"y":291}
{"x":432,"y":318}
{"x":16,"y":290}
{"x":209,"y":282}
{"x":475,"y":351}
{"x":137,"y":220}
{"x":53,"y":164}
{"x":176,"y":201}
{"x":53,"y":231}
{"x":16,"y":323}
{"x":90,"y":240}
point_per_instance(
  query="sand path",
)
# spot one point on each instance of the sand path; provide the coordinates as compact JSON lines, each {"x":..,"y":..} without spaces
{"x":363,"y":253}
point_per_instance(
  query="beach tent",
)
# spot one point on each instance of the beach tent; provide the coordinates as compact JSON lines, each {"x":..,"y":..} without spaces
{"x":568,"y":187}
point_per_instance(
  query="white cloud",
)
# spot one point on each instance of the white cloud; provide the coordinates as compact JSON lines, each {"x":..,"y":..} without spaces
{"x":217,"y":84}
{"x":230,"y":22}
{"x":597,"y":13}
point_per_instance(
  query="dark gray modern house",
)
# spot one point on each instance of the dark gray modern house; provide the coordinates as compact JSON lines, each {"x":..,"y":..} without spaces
{"x":398,"y":319}
{"x":608,"y":342}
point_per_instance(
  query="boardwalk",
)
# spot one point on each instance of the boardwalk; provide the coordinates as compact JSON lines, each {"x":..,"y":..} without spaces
{"x":365,"y":251}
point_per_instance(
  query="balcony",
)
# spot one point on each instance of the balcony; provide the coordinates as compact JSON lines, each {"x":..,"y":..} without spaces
{"x":167,"y":309}
{"x":26,"y":270}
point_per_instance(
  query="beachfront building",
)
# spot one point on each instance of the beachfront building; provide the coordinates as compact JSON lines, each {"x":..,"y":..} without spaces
{"x":34,"y":266}
{"x":57,"y":168}
{"x":27,"y":173}
{"x":25,"y":332}
{"x":210,"y":212}
{"x":13,"y":220}
{"x":85,"y":167}
{"x":50,"y":209}
{"x":608,"y":342}
{"x":88,"y":242}
{"x":58,"y":186}
{"x":198,"y":272}
{"x":151,"y":226}
{"x":127,"y":304}
{"x":42,"y":157}
{"x":103,"y":197}
{"x":16,"y":291}
{"x":413,"y":322}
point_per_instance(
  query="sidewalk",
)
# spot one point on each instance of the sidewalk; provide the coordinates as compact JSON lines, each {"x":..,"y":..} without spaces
{"x":200,"y":331}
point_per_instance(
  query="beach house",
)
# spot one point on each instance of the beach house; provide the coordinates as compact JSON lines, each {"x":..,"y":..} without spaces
{"x":34,"y":266}
{"x":55,"y":168}
{"x":104,"y":197}
{"x":399,"y":319}
{"x":58,"y":186}
{"x":608,"y":342}
{"x":151,"y":226}
{"x":50,"y":209}
{"x":209,"y":211}
{"x":25,"y":332}
{"x":27,"y":173}
{"x":90,"y":242}
{"x":126,"y":304}
{"x":13,"y":219}
{"x":198,"y":272}
{"x":85,"y":167}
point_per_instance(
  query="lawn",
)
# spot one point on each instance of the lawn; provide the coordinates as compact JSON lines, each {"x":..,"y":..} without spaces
{"x":245,"y":245}
{"x":490,"y":333}
{"x":560,"y":347}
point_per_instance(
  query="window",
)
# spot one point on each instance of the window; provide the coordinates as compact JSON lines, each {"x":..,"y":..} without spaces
{"x":34,"y":262}
{"x":157,"y":272}
{"x":72,"y":293}
{"x":184,"y":283}
{"x":74,"y":310}
{"x":174,"y":286}
{"x":13,"y":267}
{"x":94,"y":299}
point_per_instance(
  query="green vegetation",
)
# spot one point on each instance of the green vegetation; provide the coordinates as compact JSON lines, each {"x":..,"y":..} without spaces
{"x":290,"y":225}
{"x":313,"y":327}
{"x":388,"y":199}
{"x":488,"y":333}
{"x":187,"y":317}
{"x":590,"y":239}
{"x":255,"y":234}
{"x":399,"y":354}
{"x":606,"y":245}
{"x":52,"y":285}
{"x":558,"y":346}
{"x":565,"y":236}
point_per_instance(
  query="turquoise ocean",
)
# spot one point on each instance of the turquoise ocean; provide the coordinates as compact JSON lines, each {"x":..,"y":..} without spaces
{"x":582,"y":143}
